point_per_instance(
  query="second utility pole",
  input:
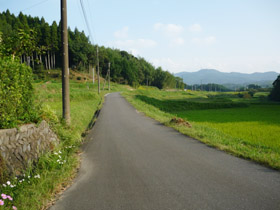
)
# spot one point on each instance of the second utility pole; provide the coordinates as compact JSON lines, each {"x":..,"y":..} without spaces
{"x":98,"y":76}
{"x":109,"y":77}
{"x":65,"y":64}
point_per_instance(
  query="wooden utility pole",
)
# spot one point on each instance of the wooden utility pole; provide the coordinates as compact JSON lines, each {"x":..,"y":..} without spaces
{"x":98,"y":75}
{"x":93,"y":74}
{"x":109,"y":77}
{"x":65,"y":64}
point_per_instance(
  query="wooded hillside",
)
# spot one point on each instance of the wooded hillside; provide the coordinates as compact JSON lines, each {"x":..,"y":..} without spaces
{"x":38,"y":44}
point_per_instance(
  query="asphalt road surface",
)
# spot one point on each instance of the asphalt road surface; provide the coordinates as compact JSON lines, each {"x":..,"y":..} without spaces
{"x":133,"y":162}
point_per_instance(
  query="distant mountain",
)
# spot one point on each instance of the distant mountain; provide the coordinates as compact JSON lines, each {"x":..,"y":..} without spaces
{"x":206,"y":76}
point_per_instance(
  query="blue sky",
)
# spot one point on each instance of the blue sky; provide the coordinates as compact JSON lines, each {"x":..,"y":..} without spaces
{"x":179,"y":35}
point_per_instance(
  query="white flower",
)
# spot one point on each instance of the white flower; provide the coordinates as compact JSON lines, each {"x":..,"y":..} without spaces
{"x":28,"y":177}
{"x":4,"y":185}
{"x":8,"y":182}
{"x":37,"y":176}
{"x":59,"y":152}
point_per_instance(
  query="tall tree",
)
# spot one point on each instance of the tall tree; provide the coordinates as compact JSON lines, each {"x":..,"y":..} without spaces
{"x":46,"y":42}
{"x":54,"y":43}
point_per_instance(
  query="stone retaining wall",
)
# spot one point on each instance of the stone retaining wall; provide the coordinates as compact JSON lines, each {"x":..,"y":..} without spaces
{"x":20,"y":147}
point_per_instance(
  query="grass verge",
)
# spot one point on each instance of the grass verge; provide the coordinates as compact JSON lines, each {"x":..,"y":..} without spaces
{"x":55,"y":170}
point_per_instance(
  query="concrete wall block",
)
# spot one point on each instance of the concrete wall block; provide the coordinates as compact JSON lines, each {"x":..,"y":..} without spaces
{"x":5,"y":140}
{"x":25,"y":145}
{"x":28,"y":148}
{"x":17,"y":136}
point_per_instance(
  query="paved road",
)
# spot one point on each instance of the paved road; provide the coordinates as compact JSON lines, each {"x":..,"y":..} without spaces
{"x":133,"y":162}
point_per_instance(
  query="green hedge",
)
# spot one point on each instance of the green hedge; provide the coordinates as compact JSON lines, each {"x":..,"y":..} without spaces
{"x":16,"y":94}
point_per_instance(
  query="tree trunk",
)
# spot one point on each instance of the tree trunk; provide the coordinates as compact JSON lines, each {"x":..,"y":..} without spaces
{"x":53,"y":60}
{"x":32,"y":61}
{"x":49,"y":63}
{"x":40,"y":58}
{"x":46,"y":62}
{"x":36,"y":57}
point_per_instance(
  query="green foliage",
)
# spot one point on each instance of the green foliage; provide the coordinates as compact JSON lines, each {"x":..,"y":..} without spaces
{"x":1,"y":45}
{"x":247,"y":95}
{"x":39,"y":72}
{"x":252,"y":92}
{"x":3,"y":171}
{"x":275,"y":93}
{"x":16,"y":94}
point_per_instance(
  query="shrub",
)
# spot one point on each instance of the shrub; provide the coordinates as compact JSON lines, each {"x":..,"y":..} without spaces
{"x":275,"y":92}
{"x":16,"y":94}
{"x":251,"y":92}
{"x":245,"y":95}
{"x":38,"y":72}
{"x":3,"y":171}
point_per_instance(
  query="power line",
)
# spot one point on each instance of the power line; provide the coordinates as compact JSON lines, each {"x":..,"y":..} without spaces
{"x":34,"y":5}
{"x":87,"y":23}
{"x":80,"y":12}
{"x":91,"y":19}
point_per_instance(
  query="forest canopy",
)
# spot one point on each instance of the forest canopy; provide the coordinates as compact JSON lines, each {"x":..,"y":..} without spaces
{"x":38,"y":44}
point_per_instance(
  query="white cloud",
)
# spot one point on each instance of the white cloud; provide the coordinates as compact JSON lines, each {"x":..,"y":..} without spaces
{"x":195,"y":28}
{"x":179,"y":41}
{"x":134,"y":46}
{"x":204,"y":41}
{"x":169,"y":29}
{"x":122,"y":33}
{"x":210,"y":40}
{"x":135,"y":43}
{"x":169,"y":64}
